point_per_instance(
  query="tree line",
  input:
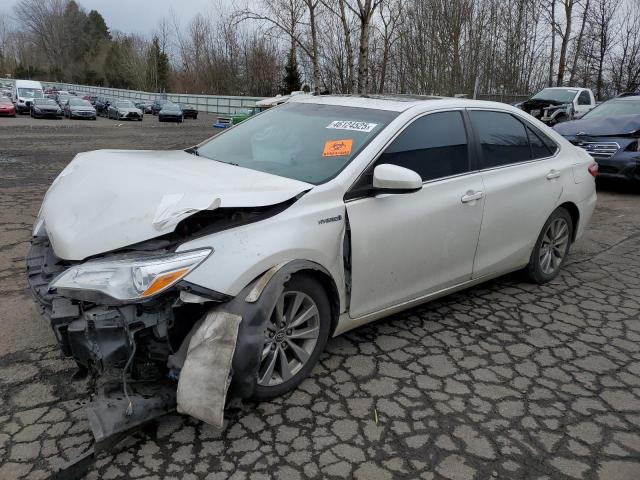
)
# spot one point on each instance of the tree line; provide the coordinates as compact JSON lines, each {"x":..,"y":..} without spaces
{"x":264,"y":47}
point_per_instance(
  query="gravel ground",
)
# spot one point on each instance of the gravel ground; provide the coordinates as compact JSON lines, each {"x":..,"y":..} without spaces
{"x":505,"y":380}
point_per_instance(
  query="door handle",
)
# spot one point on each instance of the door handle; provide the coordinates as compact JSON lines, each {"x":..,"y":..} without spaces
{"x":553,"y":174}
{"x":471,"y":196}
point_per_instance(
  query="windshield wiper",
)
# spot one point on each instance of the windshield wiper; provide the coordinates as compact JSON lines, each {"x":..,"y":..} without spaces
{"x":193,"y":151}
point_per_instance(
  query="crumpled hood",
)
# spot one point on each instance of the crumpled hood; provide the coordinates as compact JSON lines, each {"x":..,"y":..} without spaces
{"x":108,"y":199}
{"x":600,"y":126}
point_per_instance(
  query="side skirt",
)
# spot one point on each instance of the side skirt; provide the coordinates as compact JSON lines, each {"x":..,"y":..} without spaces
{"x":346,"y":323}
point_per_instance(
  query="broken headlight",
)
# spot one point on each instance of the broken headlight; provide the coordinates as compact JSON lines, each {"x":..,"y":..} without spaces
{"x":127,"y":279}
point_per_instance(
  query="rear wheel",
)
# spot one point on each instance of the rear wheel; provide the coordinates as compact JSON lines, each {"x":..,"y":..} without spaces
{"x":551,"y":248}
{"x":295,"y":336}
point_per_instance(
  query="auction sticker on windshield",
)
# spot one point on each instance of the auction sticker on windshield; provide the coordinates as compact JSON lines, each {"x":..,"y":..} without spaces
{"x":337,"y":148}
{"x":352,"y":125}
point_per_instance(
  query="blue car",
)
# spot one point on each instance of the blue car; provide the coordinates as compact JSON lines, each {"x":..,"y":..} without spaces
{"x":610,"y":133}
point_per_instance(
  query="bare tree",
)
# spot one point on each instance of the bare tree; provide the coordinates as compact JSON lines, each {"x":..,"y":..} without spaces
{"x":565,"y":35}
{"x":363,"y":10}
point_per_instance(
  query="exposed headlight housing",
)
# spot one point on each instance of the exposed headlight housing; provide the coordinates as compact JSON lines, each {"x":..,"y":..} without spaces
{"x":129,"y":279}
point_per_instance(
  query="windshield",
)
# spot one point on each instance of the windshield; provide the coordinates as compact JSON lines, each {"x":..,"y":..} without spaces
{"x":615,"y":109}
{"x":30,"y":92}
{"x":79,"y":102}
{"x":45,"y":101}
{"x":565,"y":95}
{"x":303,"y":141}
{"x":170,"y":106}
{"x":124,"y":104}
{"x":5,"y":101}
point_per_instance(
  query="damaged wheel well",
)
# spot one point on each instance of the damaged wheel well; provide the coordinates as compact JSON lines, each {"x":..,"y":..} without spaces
{"x":575,"y":216}
{"x":330,"y":288}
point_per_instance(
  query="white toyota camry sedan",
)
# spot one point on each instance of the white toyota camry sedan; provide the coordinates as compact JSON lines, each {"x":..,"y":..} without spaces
{"x":241,"y":256}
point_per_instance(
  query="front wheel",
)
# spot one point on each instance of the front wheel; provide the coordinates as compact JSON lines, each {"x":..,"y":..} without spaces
{"x":294,"y":337}
{"x":551,"y":248}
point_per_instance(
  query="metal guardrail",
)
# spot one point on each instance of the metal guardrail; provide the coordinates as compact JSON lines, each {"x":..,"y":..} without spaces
{"x":221,"y":104}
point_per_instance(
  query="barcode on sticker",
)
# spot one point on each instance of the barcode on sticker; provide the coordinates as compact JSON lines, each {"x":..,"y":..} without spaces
{"x":352,"y":125}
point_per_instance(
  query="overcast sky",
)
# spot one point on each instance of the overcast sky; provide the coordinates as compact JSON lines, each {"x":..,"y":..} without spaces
{"x":140,"y":16}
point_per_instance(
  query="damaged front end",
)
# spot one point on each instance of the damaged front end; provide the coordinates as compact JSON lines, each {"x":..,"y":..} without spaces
{"x":548,"y":111}
{"x":100,"y":332}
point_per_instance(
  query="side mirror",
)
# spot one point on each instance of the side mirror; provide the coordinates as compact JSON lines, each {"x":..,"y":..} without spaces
{"x":389,"y":178}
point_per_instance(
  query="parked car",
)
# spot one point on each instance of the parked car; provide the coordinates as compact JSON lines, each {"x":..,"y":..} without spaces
{"x":226,"y":121}
{"x":145,"y":106}
{"x":189,"y":111}
{"x":610,"y":133}
{"x":263,"y":241}
{"x":90,"y":98}
{"x":46,"y":108}
{"x":171,"y":112}
{"x":7,"y":108}
{"x":62,"y":99}
{"x":158,"y":104}
{"x":559,"y":104}
{"x":79,"y":108}
{"x":124,"y":110}
{"x":25,"y":92}
{"x":102,"y":105}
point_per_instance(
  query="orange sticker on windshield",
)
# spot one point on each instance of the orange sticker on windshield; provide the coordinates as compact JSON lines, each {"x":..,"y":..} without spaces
{"x":337,"y":148}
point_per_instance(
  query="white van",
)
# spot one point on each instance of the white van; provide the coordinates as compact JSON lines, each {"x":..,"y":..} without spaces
{"x":25,"y":92}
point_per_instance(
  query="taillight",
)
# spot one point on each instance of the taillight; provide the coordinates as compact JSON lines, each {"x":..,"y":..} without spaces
{"x":593,"y":169}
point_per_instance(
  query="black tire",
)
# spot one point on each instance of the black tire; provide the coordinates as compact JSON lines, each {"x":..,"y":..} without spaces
{"x":535,"y":270}
{"x":312,"y":288}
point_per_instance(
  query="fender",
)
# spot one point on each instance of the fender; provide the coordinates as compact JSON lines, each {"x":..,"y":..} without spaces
{"x":255,"y":304}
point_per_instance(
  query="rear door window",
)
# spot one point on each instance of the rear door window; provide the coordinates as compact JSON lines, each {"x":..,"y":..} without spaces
{"x":503,"y":138}
{"x":538,"y":148}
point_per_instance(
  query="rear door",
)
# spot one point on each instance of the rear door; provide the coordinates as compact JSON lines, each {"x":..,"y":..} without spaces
{"x":523,"y":181}
{"x":410,"y":244}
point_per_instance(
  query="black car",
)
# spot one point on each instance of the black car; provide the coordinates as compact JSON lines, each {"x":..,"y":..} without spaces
{"x":145,"y":106}
{"x":171,"y":112}
{"x":102,"y":105}
{"x":189,"y":111}
{"x":45,"y":108}
{"x":158,"y":104}
{"x":610,"y":133}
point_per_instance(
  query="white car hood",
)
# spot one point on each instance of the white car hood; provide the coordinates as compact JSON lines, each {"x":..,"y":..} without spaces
{"x":108,"y":199}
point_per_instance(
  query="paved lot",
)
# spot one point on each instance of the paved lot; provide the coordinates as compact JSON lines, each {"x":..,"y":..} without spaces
{"x":506,"y":380}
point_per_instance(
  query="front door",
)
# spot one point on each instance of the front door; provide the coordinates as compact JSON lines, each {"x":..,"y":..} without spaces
{"x":406,"y":245}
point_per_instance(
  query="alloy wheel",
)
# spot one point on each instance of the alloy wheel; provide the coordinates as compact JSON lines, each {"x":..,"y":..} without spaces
{"x":554,"y":246}
{"x":291,"y":335}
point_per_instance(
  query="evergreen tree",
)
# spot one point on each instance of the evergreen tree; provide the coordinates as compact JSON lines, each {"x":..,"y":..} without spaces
{"x":292,"y":80}
{"x":158,"y":67}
